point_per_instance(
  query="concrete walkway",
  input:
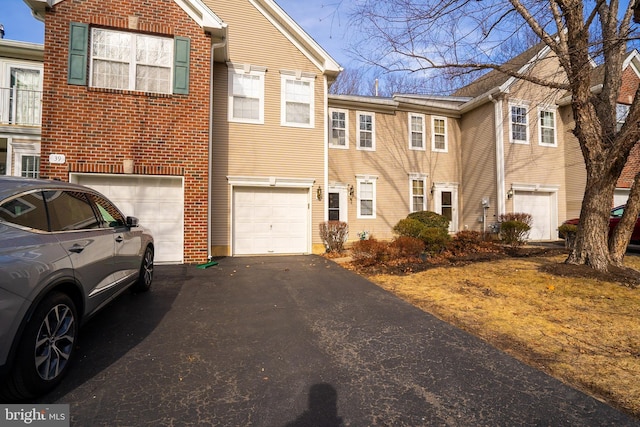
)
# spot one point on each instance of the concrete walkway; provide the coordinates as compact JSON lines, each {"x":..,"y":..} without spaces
{"x":299,"y":341}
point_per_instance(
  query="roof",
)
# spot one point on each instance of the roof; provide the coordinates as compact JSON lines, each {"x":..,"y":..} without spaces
{"x":495,"y":78}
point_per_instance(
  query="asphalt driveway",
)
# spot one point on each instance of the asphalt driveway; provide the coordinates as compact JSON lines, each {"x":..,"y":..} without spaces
{"x":299,"y":341}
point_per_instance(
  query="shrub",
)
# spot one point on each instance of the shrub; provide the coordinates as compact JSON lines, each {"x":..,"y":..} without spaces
{"x":430,"y":219}
{"x":514,"y":227}
{"x":514,"y":233}
{"x":467,"y":241}
{"x":435,"y":239}
{"x":522,"y":217}
{"x":369,"y":252}
{"x":405,"y":246}
{"x":409,"y":227}
{"x":568,"y":233}
{"x":334,"y":234}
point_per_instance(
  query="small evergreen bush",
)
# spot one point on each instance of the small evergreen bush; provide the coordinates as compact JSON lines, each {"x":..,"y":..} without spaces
{"x":430,"y":219}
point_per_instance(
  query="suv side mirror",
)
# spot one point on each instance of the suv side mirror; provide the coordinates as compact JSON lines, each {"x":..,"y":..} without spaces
{"x":132,"y":221}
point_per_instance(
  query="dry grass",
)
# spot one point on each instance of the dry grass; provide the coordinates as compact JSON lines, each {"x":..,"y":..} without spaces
{"x":584,"y":331}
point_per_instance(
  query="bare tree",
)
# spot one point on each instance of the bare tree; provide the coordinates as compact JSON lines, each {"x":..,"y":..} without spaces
{"x":470,"y":35}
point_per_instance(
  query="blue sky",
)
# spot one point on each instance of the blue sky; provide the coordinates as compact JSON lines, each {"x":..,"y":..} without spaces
{"x":327,"y":24}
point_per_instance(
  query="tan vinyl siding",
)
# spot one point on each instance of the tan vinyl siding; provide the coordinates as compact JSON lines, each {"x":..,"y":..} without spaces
{"x":575,"y":171}
{"x":269,"y":149}
{"x":532,"y":163}
{"x":479,"y":167}
{"x":392,"y":162}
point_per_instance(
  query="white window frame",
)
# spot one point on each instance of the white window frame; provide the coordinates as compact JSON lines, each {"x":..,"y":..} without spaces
{"x":366,"y":179}
{"x":360,"y":114}
{"x":8,"y":109}
{"x":554,"y":128}
{"x":259,"y":72}
{"x":422,"y":132}
{"x":346,"y":128}
{"x":524,"y":106}
{"x":417,"y":177}
{"x":434,"y":134}
{"x":306,"y":78}
{"x":622,"y":111}
{"x":132,"y":62}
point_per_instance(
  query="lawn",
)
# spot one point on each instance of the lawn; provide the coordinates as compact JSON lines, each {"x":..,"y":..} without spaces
{"x":583,"y":329}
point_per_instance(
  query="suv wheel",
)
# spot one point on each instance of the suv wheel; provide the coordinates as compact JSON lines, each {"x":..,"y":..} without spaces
{"x":146,"y":272}
{"x":46,"y":348}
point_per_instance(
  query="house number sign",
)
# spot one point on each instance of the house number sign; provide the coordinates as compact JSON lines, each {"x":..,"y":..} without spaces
{"x":58,"y":159}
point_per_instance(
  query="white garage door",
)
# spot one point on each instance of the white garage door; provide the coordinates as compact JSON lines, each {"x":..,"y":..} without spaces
{"x":539,"y":205}
{"x":270,"y":221}
{"x":158,"y":202}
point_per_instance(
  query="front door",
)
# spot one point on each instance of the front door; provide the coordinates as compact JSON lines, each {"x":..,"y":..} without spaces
{"x":446,"y":203}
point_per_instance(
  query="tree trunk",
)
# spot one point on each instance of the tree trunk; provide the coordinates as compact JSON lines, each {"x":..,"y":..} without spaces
{"x":590,"y":246}
{"x":619,"y":240}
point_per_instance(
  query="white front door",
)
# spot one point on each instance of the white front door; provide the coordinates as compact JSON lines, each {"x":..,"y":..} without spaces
{"x":445,"y":199}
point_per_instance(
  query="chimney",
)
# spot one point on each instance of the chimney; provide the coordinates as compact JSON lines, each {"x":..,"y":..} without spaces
{"x":1,"y":31}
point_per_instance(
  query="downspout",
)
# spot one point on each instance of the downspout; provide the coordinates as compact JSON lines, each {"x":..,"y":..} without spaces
{"x":325,"y":214}
{"x":214,"y":46}
{"x":500,"y":174}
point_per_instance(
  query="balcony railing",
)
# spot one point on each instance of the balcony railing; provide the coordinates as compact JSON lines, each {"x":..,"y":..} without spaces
{"x":20,"y":107}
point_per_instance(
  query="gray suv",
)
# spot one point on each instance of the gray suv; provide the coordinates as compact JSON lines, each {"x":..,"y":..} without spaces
{"x":65,"y":252}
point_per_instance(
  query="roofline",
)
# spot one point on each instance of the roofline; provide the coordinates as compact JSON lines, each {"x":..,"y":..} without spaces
{"x":22,"y":50}
{"x":299,"y":37}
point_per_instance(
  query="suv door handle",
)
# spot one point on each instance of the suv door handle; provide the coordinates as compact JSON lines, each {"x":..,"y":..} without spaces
{"x":76,"y":248}
{"x":119,"y":239}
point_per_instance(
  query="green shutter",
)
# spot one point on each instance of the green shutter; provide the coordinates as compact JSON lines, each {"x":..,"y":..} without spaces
{"x":182,"y":47}
{"x":78,"y":44}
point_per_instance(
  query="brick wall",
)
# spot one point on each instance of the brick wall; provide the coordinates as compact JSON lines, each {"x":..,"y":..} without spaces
{"x":628,"y":90}
{"x":97,"y":129}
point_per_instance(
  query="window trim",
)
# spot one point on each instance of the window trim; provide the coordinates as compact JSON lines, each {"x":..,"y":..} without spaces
{"x":433,"y":135}
{"x":346,"y":128}
{"x":359,"y":114}
{"x":132,"y":63}
{"x":524,"y":106}
{"x":555,"y":127}
{"x":366,"y":179}
{"x":297,"y":76}
{"x":245,"y":69}
{"x":418,"y":177}
{"x":423,"y":146}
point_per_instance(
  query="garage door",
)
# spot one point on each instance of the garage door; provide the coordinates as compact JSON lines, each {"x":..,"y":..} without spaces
{"x":539,"y":205}
{"x":270,"y":221}
{"x":158,"y":202}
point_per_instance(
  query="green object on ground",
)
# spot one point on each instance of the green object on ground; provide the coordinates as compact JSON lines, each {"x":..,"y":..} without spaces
{"x":207,"y":265}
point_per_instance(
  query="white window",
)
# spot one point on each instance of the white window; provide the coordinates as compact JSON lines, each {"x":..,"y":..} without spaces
{"x":622,"y":111}
{"x":246,"y":94}
{"x":339,"y":130}
{"x":366,"y":196}
{"x":417,"y":192}
{"x":519,"y":129}
{"x":297,"y":101}
{"x":30,"y":166}
{"x":24,"y":97}
{"x":439,"y":134}
{"x":416,"y":132}
{"x":547,"y":128}
{"x":130,"y":61}
{"x":366,"y":131}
